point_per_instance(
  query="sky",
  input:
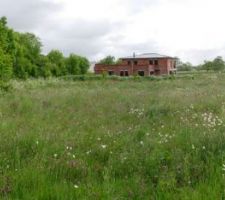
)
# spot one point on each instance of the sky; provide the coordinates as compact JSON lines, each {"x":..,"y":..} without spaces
{"x":192,"y":30}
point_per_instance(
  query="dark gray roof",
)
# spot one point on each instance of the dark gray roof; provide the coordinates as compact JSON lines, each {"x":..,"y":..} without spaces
{"x":147,"y":55}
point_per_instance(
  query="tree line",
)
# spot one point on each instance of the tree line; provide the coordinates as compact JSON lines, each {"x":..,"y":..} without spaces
{"x":217,"y":64}
{"x":21,"y":57}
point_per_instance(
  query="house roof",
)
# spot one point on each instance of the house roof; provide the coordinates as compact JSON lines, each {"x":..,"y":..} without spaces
{"x":147,"y":55}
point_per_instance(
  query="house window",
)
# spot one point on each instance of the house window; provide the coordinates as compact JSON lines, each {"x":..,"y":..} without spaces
{"x":157,"y":72}
{"x":128,"y":62}
{"x":121,"y":73}
{"x":124,"y":73}
{"x":151,"y":73}
{"x":150,"y":62}
{"x":111,"y":73}
{"x":141,"y":73}
{"x":175,"y":65}
{"x":135,"y":62}
{"x":156,"y":62}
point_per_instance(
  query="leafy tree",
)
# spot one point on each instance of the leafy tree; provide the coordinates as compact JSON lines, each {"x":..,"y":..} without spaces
{"x":185,"y":67}
{"x":218,"y":64}
{"x":31,"y":46}
{"x":5,"y":66}
{"x":84,"y":65}
{"x":7,"y":50}
{"x":108,"y":60}
{"x":118,"y":61}
{"x":57,"y":60}
{"x":72,"y":64}
{"x":20,"y":56}
{"x":208,"y":65}
{"x":44,"y":68}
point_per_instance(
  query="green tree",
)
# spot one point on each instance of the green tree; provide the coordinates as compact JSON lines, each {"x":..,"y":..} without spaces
{"x":20,"y":56}
{"x":208,"y":65}
{"x":28,"y":49}
{"x":108,"y":60}
{"x":184,"y":66}
{"x":84,"y":65}
{"x":7,"y":50}
{"x":57,"y":60}
{"x":218,"y":64}
{"x":44,"y":67}
{"x":5,"y":66}
{"x":73,"y":64}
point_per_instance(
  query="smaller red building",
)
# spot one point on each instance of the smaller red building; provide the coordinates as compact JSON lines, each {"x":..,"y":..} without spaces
{"x":144,"y":65}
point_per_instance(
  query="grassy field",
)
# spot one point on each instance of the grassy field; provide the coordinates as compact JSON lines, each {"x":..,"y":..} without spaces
{"x":114,"y":139}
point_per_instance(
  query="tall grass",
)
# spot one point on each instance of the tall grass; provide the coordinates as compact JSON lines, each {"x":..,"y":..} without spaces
{"x":61,"y":139}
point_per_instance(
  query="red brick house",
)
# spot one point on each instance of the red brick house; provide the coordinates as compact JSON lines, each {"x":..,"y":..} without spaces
{"x":143,"y":65}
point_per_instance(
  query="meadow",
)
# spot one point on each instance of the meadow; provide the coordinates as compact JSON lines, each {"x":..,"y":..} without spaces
{"x":110,"y":139}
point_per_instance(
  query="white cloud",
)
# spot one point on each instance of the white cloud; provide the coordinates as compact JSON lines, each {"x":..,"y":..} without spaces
{"x":190,"y":29}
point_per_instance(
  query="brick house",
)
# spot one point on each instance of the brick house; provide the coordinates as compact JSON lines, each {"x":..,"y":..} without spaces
{"x":143,"y":65}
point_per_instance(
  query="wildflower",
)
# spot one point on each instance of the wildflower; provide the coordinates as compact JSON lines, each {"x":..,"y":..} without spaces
{"x":37,"y":142}
{"x":99,"y":139}
{"x":142,"y":143}
{"x":55,"y":155}
{"x":223,"y":168}
{"x":88,"y":152}
{"x":76,"y":186}
{"x":74,"y":156}
{"x":193,"y":147}
{"x":104,"y":146}
{"x":203,"y":147}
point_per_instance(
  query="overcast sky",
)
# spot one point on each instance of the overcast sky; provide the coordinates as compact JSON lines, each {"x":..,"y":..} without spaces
{"x":190,"y":29}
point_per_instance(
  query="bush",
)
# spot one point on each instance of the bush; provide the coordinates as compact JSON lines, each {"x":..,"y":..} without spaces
{"x":5,"y":86}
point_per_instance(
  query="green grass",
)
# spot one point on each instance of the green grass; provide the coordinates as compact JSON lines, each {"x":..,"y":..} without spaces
{"x":108,"y":139}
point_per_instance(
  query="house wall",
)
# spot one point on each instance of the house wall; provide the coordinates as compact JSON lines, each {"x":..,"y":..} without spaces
{"x":100,"y":69}
{"x":171,"y":63}
{"x":165,"y":65}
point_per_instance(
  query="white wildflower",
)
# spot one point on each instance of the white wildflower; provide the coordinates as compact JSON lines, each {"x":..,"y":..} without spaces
{"x":223,"y":168}
{"x":76,"y":186}
{"x":88,"y":152}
